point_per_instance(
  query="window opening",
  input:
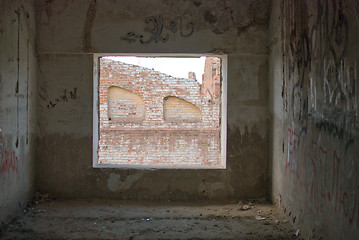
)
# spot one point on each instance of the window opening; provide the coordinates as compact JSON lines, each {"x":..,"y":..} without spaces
{"x":159,"y":112}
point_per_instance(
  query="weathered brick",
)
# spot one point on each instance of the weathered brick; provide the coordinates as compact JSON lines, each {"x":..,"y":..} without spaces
{"x":150,"y":118}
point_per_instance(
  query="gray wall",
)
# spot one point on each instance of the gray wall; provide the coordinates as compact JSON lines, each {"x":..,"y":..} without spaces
{"x":17,"y":105}
{"x":311,"y":142}
{"x":314,"y":96}
{"x":69,"y":32}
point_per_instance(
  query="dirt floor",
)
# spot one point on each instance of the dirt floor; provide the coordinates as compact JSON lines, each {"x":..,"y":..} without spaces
{"x":107,"y":219}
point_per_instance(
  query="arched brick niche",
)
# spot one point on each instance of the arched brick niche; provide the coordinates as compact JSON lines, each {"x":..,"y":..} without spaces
{"x":178,"y":110}
{"x":125,"y":106}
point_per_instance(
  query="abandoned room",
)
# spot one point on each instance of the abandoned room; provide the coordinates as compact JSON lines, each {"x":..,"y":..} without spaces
{"x":263,"y":144}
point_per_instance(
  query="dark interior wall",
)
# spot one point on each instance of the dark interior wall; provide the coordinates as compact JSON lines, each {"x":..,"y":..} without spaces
{"x":17,"y":105}
{"x":314,"y":97}
{"x":69,"y":32}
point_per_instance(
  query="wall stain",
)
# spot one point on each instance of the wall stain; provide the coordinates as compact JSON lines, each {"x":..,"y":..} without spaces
{"x":117,"y":183}
{"x":197,"y":3}
{"x":1,"y":28}
{"x":90,"y":19}
{"x":209,"y":17}
{"x":250,"y":165}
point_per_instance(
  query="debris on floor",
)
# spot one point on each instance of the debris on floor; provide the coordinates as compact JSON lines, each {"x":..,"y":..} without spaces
{"x":245,"y":207}
{"x":260,"y":218}
{"x":109,"y":219}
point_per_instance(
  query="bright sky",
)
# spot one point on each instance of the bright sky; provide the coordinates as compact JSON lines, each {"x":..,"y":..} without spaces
{"x":174,"y":66}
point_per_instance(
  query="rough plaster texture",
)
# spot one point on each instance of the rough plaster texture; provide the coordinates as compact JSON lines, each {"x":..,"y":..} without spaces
{"x":17,"y":105}
{"x":68,"y":34}
{"x":314,"y":103}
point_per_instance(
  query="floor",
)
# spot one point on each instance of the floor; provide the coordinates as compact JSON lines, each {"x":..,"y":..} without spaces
{"x":104,"y":219}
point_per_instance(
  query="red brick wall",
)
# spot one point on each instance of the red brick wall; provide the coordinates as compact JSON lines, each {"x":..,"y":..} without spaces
{"x":189,"y":135}
{"x":211,"y":82}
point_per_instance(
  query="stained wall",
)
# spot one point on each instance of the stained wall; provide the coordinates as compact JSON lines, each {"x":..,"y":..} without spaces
{"x":70,"y":32}
{"x":314,"y":93}
{"x":17,"y":106}
{"x":311,"y":140}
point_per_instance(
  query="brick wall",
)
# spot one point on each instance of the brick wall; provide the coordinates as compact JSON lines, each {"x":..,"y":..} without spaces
{"x":150,"y":118}
{"x":177,"y":110}
{"x":211,"y":81}
{"x":124,"y":106}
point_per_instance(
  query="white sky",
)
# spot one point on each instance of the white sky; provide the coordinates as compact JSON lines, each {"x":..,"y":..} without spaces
{"x":174,"y":66}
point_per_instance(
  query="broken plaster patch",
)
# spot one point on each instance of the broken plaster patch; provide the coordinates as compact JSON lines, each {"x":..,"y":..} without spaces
{"x":115,"y":183}
{"x":210,"y":189}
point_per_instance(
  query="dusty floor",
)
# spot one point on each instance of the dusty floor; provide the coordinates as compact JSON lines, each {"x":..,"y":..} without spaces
{"x":99,"y":219}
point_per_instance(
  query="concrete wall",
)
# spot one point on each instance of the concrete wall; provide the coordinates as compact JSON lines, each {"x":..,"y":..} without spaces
{"x":313,"y":101}
{"x":17,"y":105}
{"x":314,"y":96}
{"x":70,"y":31}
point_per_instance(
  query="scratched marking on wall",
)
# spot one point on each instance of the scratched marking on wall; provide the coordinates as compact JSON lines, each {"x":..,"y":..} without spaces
{"x":65,"y":97}
{"x":318,"y":69}
{"x":155,"y":25}
{"x":8,"y":159}
{"x":218,"y":18}
{"x":320,"y":173}
{"x":321,"y":93}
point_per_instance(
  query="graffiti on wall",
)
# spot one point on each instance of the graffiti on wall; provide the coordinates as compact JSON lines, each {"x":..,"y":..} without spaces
{"x":321,"y":98}
{"x":65,"y":97}
{"x":8,"y":159}
{"x":155,"y":26}
{"x":322,"y":81}
{"x":324,"y":176}
{"x":218,"y":17}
